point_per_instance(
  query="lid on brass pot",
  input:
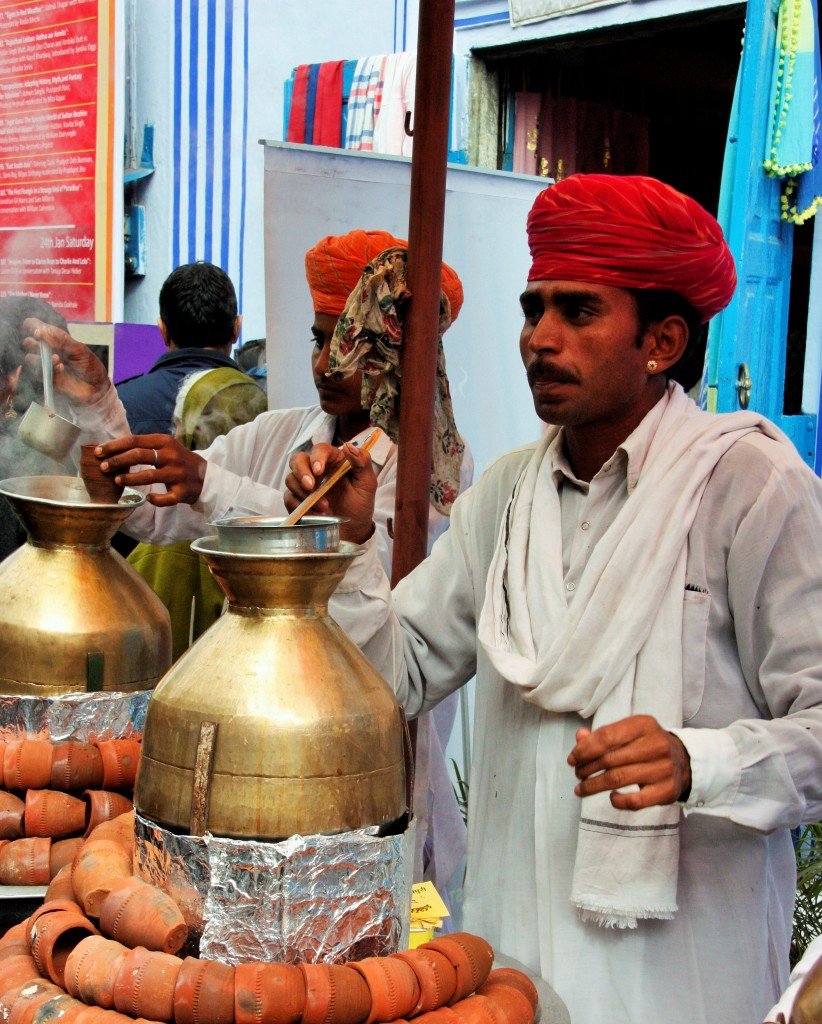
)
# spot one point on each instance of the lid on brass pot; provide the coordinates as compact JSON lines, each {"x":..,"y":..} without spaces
{"x":266,"y":535}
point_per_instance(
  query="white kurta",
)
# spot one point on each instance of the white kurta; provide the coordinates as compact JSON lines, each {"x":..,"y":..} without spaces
{"x":753,"y":729}
{"x":246,"y":473}
{"x":813,"y":954}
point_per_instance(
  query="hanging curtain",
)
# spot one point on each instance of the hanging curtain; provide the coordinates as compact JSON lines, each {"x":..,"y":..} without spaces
{"x":526,"y":120}
{"x":483,"y":125}
{"x":793,"y":142}
{"x":578,"y":136}
{"x":459,"y":105}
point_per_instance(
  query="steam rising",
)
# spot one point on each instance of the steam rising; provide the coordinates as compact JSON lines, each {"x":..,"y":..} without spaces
{"x":16,"y":458}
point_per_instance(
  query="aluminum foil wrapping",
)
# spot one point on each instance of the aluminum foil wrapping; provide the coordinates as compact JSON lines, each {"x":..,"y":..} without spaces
{"x":177,"y":864}
{"x":308,"y":898}
{"x":75,"y":716}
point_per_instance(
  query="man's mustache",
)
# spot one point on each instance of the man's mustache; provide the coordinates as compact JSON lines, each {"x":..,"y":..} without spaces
{"x":542,"y":370}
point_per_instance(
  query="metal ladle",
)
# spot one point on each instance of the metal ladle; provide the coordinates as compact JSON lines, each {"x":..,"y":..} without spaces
{"x":41,"y":428}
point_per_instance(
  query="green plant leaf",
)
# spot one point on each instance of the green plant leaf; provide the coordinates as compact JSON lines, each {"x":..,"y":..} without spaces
{"x":460,"y":791}
{"x":807,"y":918}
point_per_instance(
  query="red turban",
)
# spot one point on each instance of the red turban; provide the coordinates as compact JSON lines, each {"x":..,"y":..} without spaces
{"x":334,"y":267}
{"x":630,"y":232}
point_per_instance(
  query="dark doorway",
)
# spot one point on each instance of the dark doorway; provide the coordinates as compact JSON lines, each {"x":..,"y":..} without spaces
{"x":670,"y":82}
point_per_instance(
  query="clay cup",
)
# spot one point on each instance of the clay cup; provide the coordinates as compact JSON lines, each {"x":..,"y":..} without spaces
{"x":139,"y":914}
{"x":102,"y":488}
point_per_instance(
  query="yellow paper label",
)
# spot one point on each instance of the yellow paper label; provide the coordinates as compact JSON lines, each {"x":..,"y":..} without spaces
{"x":427,"y":905}
{"x":417,"y":936}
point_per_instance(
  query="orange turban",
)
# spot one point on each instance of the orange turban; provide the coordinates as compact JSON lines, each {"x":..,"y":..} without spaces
{"x":334,"y":267}
{"x":631,"y":232}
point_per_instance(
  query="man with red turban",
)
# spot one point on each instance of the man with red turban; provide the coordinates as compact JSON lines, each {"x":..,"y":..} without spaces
{"x":638,"y":594}
{"x":246,"y":468}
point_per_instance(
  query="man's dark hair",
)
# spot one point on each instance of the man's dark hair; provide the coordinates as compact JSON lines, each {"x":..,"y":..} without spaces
{"x":198,"y":305}
{"x":14,"y":309}
{"x":655,"y":305}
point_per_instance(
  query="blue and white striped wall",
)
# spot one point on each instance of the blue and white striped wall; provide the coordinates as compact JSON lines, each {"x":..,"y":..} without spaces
{"x":210,"y":134}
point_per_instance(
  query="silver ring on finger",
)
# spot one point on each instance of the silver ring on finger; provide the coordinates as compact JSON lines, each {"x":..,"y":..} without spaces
{"x":154,"y":452}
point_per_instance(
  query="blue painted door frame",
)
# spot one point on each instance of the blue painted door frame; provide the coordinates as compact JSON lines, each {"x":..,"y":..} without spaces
{"x":752,"y":331}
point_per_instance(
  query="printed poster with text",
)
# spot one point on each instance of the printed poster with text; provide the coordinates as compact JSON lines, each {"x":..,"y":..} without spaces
{"x":56,"y":153}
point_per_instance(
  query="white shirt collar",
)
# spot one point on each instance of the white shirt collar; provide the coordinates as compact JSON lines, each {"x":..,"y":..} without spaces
{"x":321,"y":431}
{"x":628,"y":459}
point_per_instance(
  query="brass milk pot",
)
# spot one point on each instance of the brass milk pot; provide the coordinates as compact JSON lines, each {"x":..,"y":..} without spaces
{"x":273,"y":723}
{"x":74,"y":615}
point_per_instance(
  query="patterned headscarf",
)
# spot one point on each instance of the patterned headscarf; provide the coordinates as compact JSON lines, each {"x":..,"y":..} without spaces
{"x":631,"y":232}
{"x":333,"y":268}
{"x":368,"y":337}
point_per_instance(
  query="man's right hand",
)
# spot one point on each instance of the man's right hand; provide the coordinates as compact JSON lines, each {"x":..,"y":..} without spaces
{"x":352,"y":497}
{"x":166,"y":461}
{"x":78,"y":373}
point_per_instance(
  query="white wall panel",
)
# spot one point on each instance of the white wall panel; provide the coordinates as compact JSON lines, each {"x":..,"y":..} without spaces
{"x":311,"y":192}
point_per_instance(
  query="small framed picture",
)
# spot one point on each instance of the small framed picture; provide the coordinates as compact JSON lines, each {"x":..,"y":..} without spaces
{"x":99,"y":338}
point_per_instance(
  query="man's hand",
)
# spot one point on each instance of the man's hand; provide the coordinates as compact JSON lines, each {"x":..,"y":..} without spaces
{"x":169,"y":462}
{"x":634,"y":751}
{"x":78,"y":373}
{"x":352,"y":497}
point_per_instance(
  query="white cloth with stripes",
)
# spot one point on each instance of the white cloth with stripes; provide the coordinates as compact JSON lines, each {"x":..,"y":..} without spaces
{"x":364,"y":103}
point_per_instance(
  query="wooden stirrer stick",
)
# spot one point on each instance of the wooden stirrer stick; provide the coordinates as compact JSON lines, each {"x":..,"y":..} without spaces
{"x":308,"y":503}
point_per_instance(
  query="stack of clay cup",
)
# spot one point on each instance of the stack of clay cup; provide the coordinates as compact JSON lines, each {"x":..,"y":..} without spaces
{"x":103,"y":949}
{"x":52,"y":795}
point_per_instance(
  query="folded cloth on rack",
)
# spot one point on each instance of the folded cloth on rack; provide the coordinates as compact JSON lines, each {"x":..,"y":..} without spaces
{"x":349,"y":70}
{"x":364,"y":103}
{"x":328,"y":104}
{"x":399,"y":80}
{"x":311,"y":101}
{"x":296,"y":116}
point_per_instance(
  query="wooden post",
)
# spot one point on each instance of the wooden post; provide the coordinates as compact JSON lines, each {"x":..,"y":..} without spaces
{"x":426,"y":217}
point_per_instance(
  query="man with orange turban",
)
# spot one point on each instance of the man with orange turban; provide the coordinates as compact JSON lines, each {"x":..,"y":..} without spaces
{"x":246,"y":468}
{"x":638,"y":594}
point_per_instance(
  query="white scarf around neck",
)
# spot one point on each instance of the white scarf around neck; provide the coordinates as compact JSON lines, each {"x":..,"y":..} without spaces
{"x":617,"y":650}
